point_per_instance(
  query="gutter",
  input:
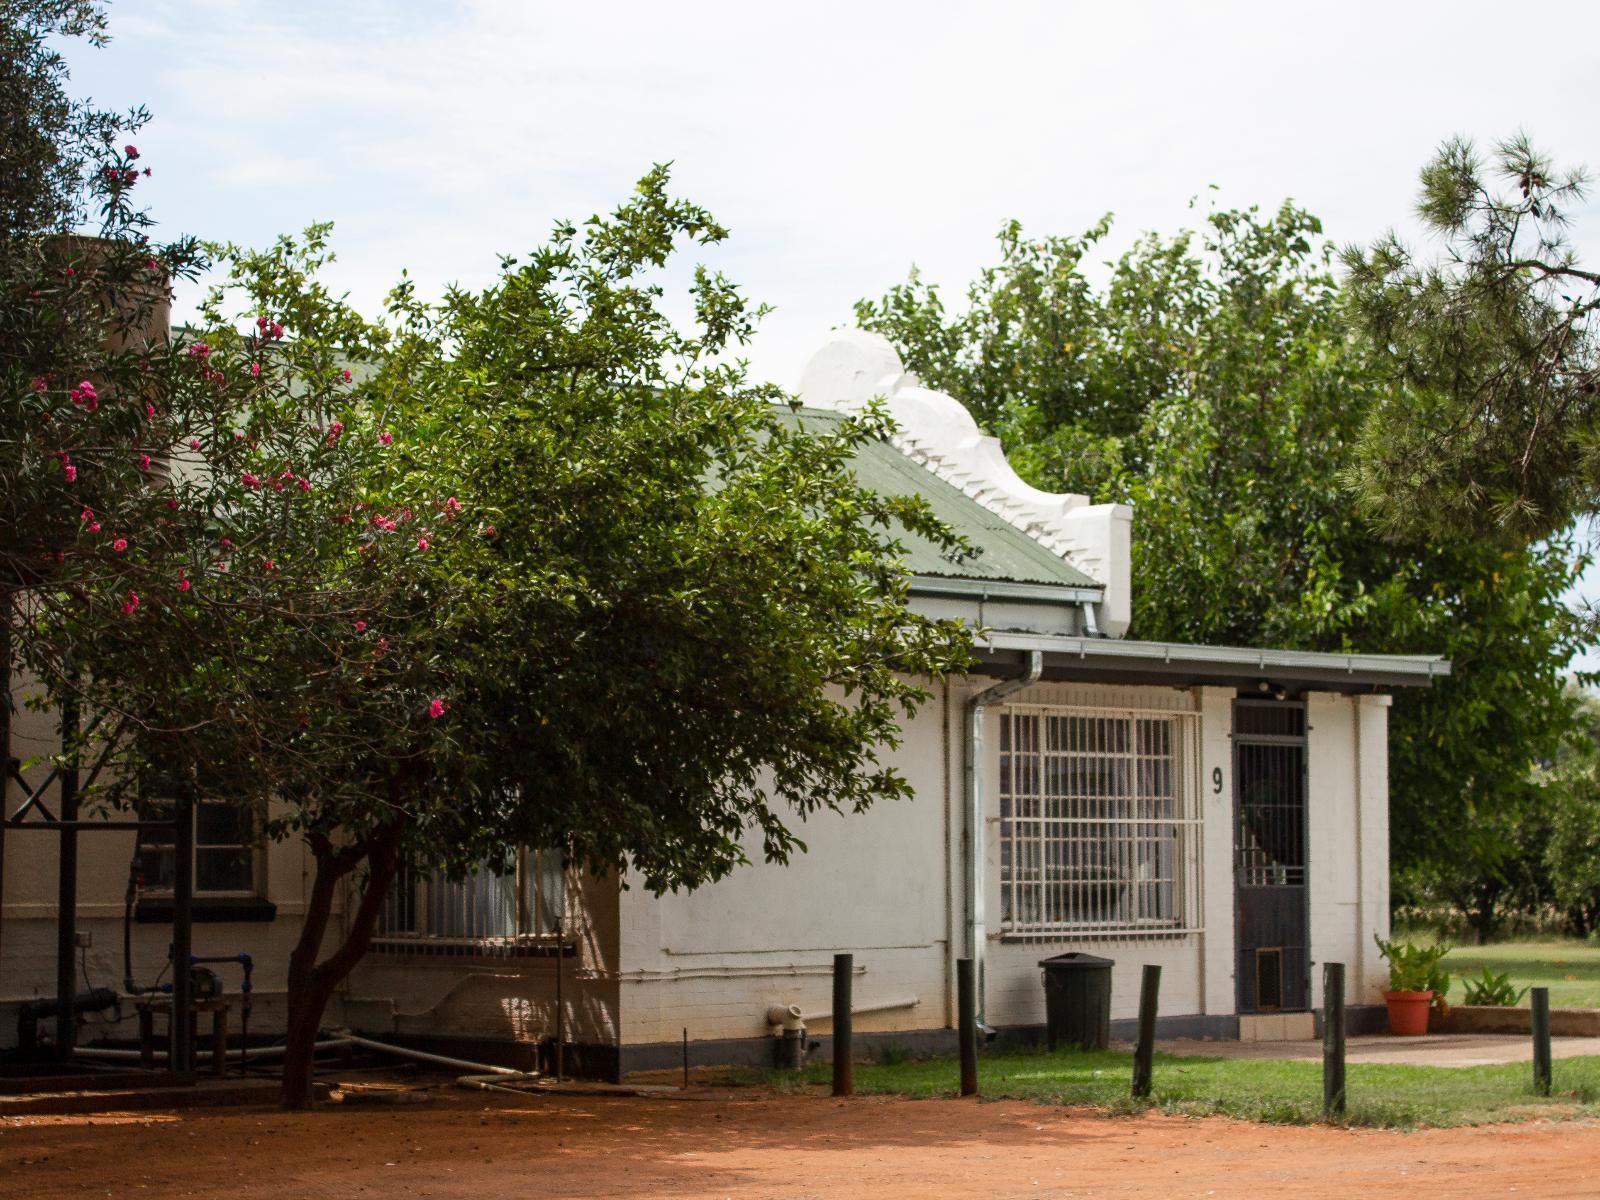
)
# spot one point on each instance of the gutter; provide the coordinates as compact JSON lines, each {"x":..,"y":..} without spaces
{"x":1002,"y":589}
{"x":977,"y":931}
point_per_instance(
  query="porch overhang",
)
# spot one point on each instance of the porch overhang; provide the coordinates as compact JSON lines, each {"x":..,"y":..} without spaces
{"x":1174,"y":664}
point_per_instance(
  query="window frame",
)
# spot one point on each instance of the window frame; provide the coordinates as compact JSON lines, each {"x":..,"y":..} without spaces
{"x":1125,"y":799}
{"x":537,"y":931}
{"x":254,"y":851}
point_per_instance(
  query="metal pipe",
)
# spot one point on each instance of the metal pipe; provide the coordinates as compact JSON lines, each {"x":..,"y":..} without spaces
{"x":182,"y":932}
{"x":111,"y":1054}
{"x":67,"y":886}
{"x":440,"y":1060}
{"x":977,"y":933}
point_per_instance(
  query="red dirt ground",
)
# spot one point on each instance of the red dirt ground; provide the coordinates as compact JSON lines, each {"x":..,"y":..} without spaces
{"x":713,"y":1145}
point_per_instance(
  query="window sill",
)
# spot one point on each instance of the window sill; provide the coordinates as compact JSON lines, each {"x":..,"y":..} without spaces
{"x":466,"y":948}
{"x":208,"y":910}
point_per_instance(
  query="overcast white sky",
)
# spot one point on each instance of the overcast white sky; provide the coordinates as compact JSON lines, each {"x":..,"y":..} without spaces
{"x":840,"y":142}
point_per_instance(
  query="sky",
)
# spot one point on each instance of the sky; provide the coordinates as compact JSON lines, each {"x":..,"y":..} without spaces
{"x":841,"y":143}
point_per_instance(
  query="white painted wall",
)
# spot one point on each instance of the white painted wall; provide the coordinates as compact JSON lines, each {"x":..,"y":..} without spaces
{"x":1348,"y":839}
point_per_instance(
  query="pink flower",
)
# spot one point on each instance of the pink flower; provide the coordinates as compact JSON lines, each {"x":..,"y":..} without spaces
{"x":87,"y":514}
{"x":249,"y":480}
{"x":422,"y":543}
{"x":436,"y":709}
{"x":120,"y":545}
{"x":94,"y":526}
{"x":194,"y":443}
{"x":71,"y":473}
{"x":385,"y":438}
{"x":152,"y":265}
{"x":39,"y":384}
{"x":184,"y":585}
{"x":452,"y":506}
{"x":199,"y":350}
{"x":490,"y":531}
{"x":268,"y":565}
{"x":227,"y":542}
{"x":305,"y":484}
{"x":144,"y":462}
{"x":261,"y":322}
{"x":361,"y":626}
{"x":172,"y":504}
{"x":150,"y":412}
{"x":133,"y":603}
{"x":131,"y":151}
{"x":255,"y":370}
{"x":71,"y":272}
{"x":147,"y":172}
{"x":344,"y":375}
{"x":130,"y":177}
{"x":277,"y":331}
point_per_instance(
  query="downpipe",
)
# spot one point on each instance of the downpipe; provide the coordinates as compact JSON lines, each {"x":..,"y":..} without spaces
{"x":977,"y":929}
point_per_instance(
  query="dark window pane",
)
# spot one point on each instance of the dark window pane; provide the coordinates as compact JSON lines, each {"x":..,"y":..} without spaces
{"x":222,"y":824}
{"x":225,"y":870}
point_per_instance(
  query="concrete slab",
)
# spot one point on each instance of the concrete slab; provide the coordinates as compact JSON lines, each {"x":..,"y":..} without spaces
{"x":1434,"y":1050}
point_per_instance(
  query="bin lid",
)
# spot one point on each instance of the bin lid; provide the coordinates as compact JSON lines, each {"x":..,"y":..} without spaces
{"x":1075,"y":960}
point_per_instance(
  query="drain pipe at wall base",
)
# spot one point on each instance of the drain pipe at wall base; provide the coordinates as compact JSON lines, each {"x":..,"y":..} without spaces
{"x":977,"y":932}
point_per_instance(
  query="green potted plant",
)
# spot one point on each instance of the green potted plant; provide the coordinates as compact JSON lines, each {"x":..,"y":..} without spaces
{"x":1416,"y":980}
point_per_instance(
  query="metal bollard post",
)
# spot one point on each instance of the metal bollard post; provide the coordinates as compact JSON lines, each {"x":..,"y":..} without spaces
{"x":1541,"y":1040}
{"x":1333,"y":1086}
{"x":844,"y":1081}
{"x":1144,"y":1052}
{"x":967,"y":1025}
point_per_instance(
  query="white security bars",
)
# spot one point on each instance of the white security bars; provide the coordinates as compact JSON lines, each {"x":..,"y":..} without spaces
{"x":1099,"y":821}
{"x":484,"y":913}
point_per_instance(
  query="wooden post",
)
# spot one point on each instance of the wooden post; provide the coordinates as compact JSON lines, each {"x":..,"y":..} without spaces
{"x":1541,"y":1040}
{"x":967,"y":1025}
{"x":686,"y":1057}
{"x":844,"y":1081}
{"x":1333,"y":1086}
{"x":1144,"y":1052}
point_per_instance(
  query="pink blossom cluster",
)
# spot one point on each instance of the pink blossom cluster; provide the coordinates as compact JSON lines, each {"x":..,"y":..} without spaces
{"x":84,"y":396}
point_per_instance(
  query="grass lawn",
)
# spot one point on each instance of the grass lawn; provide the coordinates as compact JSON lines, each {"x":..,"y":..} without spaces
{"x":1254,"y":1089}
{"x":1570,"y":969}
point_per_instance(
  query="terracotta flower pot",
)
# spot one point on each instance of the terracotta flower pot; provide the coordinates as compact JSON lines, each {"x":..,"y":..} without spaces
{"x":1408,"y":1012}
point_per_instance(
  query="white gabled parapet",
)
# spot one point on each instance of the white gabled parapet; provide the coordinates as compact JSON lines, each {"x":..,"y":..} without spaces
{"x":937,"y":431}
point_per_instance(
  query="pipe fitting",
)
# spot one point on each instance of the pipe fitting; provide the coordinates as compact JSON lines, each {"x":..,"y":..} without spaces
{"x":785,"y":1016}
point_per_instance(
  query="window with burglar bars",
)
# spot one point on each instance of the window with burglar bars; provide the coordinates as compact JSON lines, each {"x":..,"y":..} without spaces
{"x":486,"y":912}
{"x":1099,"y":821}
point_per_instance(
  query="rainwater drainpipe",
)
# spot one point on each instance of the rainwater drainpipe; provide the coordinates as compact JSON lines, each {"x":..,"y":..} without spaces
{"x":977,"y":933}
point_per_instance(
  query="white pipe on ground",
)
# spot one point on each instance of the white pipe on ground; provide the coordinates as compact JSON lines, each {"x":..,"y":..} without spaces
{"x":111,"y":1054}
{"x":484,"y":1069}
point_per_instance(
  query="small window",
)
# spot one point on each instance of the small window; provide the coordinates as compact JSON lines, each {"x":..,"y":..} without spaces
{"x":225,"y":849}
{"x":486,"y":912}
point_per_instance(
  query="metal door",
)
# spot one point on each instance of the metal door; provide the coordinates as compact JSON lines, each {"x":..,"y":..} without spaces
{"x":1269,"y":855}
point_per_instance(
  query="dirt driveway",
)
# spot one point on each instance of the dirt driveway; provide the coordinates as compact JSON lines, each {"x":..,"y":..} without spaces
{"x":714,"y":1145}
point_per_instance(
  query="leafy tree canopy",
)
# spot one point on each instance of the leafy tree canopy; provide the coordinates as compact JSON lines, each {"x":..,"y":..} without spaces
{"x":1487,"y":422}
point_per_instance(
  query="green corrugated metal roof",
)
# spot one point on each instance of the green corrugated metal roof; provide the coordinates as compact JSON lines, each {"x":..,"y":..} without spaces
{"x":1004,"y":552}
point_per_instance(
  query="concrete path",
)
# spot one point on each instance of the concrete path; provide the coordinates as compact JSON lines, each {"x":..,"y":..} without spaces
{"x":1435,"y":1050}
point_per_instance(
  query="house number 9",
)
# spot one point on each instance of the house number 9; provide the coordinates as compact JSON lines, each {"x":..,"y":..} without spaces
{"x":1216,"y":781}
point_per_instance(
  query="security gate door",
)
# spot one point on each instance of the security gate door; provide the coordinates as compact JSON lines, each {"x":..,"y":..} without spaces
{"x":1269,"y":855}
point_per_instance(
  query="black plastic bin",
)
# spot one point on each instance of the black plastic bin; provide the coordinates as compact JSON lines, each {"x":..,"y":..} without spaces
{"x":1077,"y":1000}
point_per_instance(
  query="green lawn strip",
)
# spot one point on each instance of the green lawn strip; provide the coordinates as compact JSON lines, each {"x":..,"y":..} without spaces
{"x":1533,"y":964}
{"x":1269,"y":1090}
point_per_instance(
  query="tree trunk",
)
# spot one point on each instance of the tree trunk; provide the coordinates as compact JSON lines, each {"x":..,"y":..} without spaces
{"x":312,"y":983}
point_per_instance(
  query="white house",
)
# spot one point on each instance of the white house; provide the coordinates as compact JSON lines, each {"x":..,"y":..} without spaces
{"x":1220,"y":811}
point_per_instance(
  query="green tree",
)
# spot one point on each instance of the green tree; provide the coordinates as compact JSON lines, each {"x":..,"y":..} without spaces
{"x":1488,"y":423}
{"x":1572,"y":850}
{"x":548,"y":570}
{"x":1215,"y":383}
